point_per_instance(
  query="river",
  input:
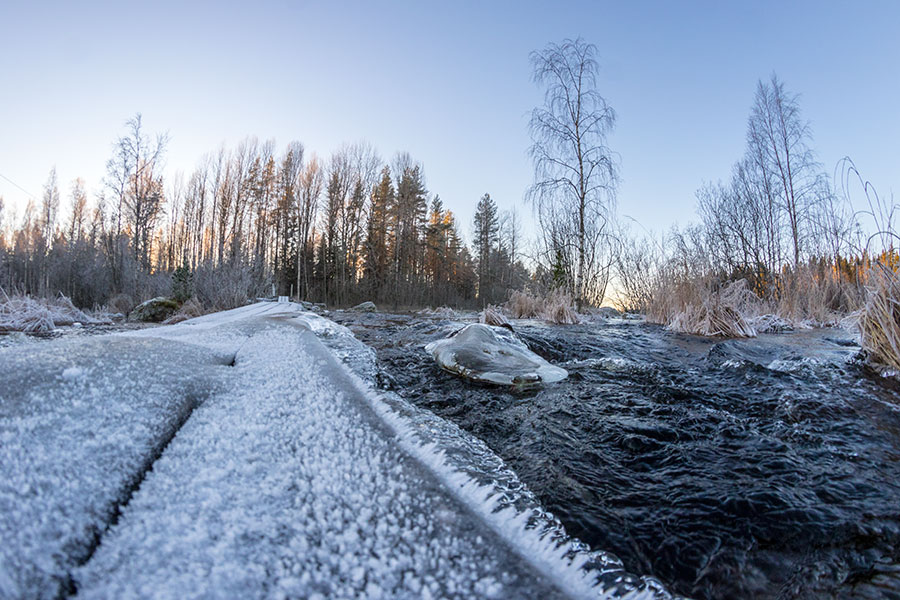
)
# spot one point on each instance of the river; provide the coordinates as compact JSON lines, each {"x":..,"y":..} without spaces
{"x":761,"y":468}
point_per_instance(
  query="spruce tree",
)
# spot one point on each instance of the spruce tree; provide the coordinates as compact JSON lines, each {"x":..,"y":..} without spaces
{"x":376,"y":257}
{"x":486,"y":238}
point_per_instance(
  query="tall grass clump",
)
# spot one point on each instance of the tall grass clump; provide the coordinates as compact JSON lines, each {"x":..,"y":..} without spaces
{"x":38,"y":315}
{"x":522,"y":305}
{"x":556,"y":307}
{"x":817,"y":295}
{"x":878,"y":320}
{"x":493,"y":315}
{"x":559,"y":308}
{"x":704,"y":307}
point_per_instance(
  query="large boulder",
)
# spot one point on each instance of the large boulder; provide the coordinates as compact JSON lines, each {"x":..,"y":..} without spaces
{"x":492,"y":355}
{"x":367,"y":306}
{"x":154,"y":310}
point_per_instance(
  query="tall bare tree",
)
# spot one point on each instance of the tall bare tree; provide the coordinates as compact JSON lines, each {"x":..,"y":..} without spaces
{"x":312,"y":182}
{"x":143,"y":199}
{"x":575,"y":172}
{"x":779,"y":139}
{"x":75,"y":227}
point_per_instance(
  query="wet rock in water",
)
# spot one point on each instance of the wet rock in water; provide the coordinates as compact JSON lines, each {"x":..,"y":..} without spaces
{"x":492,"y":355}
{"x":153,"y":310}
{"x":367,"y":306}
{"x":441,"y":312}
{"x":771,"y":324}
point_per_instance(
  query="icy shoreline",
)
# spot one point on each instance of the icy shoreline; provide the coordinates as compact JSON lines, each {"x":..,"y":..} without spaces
{"x":233,"y":455}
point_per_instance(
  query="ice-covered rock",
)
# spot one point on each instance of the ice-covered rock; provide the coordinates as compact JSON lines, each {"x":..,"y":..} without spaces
{"x":492,"y":355}
{"x":441,"y":312}
{"x":770,"y":324}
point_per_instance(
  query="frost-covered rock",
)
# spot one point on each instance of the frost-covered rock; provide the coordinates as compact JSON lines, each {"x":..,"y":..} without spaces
{"x":367,"y":306}
{"x":441,"y":312}
{"x":154,"y":310}
{"x":770,"y":324}
{"x":492,"y":355}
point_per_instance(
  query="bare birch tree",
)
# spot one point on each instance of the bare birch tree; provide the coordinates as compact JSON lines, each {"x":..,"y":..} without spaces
{"x":575,"y":171}
{"x":779,"y":139}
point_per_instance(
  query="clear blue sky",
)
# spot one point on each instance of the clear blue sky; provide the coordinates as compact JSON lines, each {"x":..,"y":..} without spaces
{"x":449,"y":82}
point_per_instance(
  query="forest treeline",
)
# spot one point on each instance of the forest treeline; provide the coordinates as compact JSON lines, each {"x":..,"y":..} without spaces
{"x":249,"y":220}
{"x":779,"y":238}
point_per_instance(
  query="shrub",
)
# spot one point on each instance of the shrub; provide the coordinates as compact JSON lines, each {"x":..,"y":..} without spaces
{"x":121,"y":303}
{"x":227,"y":286}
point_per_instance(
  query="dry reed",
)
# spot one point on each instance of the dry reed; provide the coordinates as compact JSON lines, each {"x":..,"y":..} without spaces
{"x":190,"y":309}
{"x":492,"y":315}
{"x":703,"y":308}
{"x":555,"y":307}
{"x":878,"y":320}
{"x":38,"y":315}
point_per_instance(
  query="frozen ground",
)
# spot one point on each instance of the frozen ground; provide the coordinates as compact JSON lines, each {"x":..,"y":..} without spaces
{"x":234,"y":456}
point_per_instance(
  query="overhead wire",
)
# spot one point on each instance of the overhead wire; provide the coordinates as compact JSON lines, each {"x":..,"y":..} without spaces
{"x":32,"y":196}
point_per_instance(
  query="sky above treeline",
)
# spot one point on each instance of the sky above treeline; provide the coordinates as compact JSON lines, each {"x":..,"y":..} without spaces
{"x":448,"y":82}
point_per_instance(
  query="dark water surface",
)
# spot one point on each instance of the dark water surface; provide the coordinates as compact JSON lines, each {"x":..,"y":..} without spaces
{"x":765,"y":468}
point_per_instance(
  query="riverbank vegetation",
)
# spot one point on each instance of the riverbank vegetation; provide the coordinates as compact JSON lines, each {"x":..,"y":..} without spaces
{"x":19,"y":312}
{"x":780,"y":245}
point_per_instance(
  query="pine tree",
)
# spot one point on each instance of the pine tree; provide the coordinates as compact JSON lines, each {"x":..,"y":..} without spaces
{"x":487,"y":235}
{"x":376,"y":245}
{"x":410,"y":211}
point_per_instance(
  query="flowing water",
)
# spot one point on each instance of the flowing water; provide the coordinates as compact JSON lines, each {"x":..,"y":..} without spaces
{"x":764,"y":468}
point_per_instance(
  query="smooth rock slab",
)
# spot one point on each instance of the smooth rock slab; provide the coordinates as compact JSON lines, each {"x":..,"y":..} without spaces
{"x":492,"y":355}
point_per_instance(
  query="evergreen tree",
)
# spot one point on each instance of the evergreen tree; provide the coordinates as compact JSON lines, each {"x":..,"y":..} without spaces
{"x":486,"y":239}
{"x":182,"y":283}
{"x":376,"y":260}
{"x":409,"y":219}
